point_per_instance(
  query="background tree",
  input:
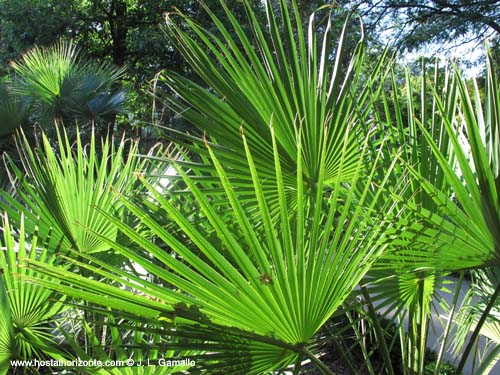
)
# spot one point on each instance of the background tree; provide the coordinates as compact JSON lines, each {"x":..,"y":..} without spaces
{"x":421,"y":22}
{"x":121,"y":32}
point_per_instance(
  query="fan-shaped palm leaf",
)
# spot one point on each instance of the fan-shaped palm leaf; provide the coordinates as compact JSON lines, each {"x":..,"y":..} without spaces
{"x":59,"y":190}
{"x":271,"y":286}
{"x":460,"y":228}
{"x":468,"y":219}
{"x":404,"y":286}
{"x":61,"y":85}
{"x":279,"y":73}
{"x":27,"y":310}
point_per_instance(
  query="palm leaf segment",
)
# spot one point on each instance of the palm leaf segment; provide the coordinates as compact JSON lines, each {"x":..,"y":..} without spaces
{"x":277,"y":74}
{"x":271,"y":285}
{"x":147,"y":343}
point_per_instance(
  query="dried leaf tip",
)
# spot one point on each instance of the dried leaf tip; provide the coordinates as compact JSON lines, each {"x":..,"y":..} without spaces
{"x":266,"y":279}
{"x":139,"y":175}
{"x":205,"y":140}
{"x":166,"y":16}
{"x":271,"y":122}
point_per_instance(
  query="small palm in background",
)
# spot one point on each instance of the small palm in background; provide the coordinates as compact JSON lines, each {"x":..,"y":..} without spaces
{"x":58,"y":85}
{"x":64,"y":87}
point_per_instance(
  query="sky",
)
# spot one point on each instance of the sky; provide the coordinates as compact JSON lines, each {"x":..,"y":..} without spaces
{"x":470,"y":52}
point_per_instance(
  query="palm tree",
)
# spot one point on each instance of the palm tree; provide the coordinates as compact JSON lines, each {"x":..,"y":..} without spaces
{"x":403,"y":285}
{"x":471,"y":215}
{"x":447,"y":190}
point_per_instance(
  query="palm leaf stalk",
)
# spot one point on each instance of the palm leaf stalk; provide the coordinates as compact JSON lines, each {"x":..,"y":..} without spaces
{"x":272,"y":285}
{"x":482,"y":286}
{"x":477,"y":330}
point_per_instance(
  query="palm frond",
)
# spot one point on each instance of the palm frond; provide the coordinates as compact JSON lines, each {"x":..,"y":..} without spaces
{"x":463,"y":230}
{"x":406,"y":285}
{"x":133,"y":348}
{"x":29,"y":309}
{"x":62,"y":85}
{"x":59,"y":189}
{"x":272,"y":285}
{"x":275,"y":73}
{"x":6,"y":331}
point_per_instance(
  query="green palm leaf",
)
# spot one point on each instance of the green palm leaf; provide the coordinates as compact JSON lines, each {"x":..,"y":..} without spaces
{"x":129,"y":340}
{"x":448,"y":194}
{"x":27,"y":309}
{"x":59,"y":189}
{"x":279,"y":74}
{"x":463,"y":231}
{"x":6,"y":331}
{"x":61,"y":85}
{"x":271,"y":285}
{"x":406,"y":284}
